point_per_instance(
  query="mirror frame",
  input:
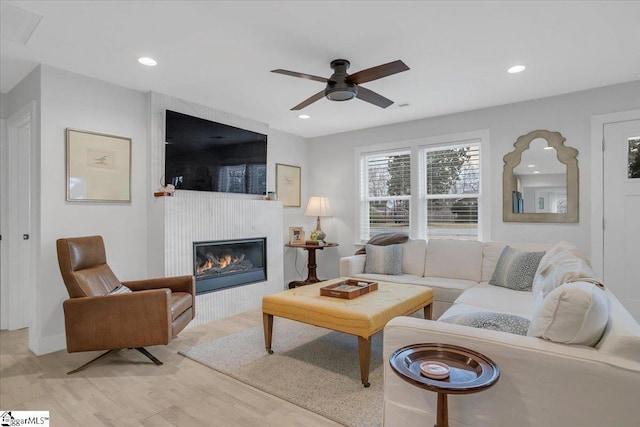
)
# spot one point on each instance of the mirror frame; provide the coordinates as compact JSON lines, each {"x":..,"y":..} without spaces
{"x":566,"y":155}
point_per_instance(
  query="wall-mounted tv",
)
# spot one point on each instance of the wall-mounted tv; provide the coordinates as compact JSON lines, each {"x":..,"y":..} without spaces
{"x":203,"y":155}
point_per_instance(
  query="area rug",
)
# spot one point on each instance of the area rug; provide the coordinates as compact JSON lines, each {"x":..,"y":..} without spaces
{"x":311,"y":367}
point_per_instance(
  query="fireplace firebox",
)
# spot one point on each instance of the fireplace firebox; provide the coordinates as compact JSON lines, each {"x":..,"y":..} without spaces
{"x":227,"y":263}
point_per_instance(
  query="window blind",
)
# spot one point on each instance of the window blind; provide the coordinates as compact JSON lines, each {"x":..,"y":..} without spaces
{"x":386,"y":192}
{"x":452,"y":190}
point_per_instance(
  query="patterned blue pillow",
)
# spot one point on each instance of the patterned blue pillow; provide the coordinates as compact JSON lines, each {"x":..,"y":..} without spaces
{"x":494,"y":321}
{"x":516,"y":269}
{"x":383,"y":260}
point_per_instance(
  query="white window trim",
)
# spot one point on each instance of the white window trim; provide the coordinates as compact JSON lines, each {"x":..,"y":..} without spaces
{"x":415,"y":145}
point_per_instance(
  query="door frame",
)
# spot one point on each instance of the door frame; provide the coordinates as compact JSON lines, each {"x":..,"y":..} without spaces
{"x":597,"y":181}
{"x":4,"y":226}
{"x":21,"y":299}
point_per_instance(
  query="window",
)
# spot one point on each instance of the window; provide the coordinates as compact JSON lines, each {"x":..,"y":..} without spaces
{"x":452,"y":190}
{"x":385,"y":191}
{"x":430,"y":188}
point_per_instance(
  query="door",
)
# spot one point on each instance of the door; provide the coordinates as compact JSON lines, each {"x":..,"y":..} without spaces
{"x":20,"y":278}
{"x":621,"y":199}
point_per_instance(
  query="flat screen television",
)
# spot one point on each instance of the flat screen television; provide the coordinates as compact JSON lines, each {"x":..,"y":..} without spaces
{"x":203,"y":155}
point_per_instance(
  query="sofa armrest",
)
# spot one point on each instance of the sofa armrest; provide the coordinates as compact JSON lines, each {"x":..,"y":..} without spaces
{"x":176,"y":284}
{"x":352,"y":265}
{"x":130,"y":320}
{"x":541,"y":383}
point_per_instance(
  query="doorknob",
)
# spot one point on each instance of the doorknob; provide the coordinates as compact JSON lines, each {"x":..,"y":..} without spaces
{"x":25,"y":237}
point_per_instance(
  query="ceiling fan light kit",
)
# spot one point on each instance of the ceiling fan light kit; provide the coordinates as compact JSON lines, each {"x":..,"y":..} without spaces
{"x":342,"y":86}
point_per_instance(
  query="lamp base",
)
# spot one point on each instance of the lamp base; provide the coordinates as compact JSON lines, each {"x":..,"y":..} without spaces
{"x":318,"y":233}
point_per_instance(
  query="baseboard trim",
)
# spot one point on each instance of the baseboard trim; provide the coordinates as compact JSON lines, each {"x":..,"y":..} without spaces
{"x":45,"y":345}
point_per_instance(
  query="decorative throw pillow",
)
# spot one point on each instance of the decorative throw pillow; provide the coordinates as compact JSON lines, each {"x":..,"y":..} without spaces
{"x":122,"y":289}
{"x":561,"y":264}
{"x":516,"y":269}
{"x":494,"y":321}
{"x":383,"y":260}
{"x":574,"y":313}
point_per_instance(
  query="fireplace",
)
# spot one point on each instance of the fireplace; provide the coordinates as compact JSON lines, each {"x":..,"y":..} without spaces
{"x":226,"y":263}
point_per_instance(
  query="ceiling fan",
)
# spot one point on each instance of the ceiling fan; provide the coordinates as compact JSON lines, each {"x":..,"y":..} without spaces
{"x":342,"y":86}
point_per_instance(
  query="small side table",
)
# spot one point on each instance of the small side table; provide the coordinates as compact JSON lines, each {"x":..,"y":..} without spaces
{"x":471,"y":372}
{"x":311,"y":276}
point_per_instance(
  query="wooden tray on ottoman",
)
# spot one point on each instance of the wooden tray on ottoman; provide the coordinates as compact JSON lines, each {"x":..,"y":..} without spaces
{"x":349,"y":289}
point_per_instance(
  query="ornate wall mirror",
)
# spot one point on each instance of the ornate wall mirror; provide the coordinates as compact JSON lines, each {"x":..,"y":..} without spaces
{"x":540,"y":180}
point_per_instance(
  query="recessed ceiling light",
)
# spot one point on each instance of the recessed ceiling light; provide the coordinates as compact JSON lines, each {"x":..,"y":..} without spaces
{"x":149,"y":62}
{"x":516,"y":69}
{"x":531,"y":166}
{"x":536,"y":171}
{"x":548,"y":148}
{"x":304,"y":116}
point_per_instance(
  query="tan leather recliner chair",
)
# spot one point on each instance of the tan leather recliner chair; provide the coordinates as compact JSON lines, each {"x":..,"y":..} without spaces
{"x":153,"y":313}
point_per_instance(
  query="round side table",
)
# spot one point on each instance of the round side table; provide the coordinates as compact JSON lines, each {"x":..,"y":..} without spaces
{"x":311,"y":265}
{"x":470,"y":372}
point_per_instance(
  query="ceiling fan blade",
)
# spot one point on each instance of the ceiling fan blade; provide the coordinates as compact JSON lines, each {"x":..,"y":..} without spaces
{"x":373,"y":98}
{"x":375,"y":73}
{"x":309,"y":100}
{"x":301,"y":75}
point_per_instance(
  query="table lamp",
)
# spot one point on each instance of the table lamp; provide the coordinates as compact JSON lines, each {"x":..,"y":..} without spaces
{"x":318,"y":206}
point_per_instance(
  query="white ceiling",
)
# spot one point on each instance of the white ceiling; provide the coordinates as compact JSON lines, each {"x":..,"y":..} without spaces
{"x":219,"y":54}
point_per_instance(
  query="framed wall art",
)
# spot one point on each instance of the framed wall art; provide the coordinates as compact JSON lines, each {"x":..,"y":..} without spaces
{"x":98,"y":167}
{"x":288,"y":184}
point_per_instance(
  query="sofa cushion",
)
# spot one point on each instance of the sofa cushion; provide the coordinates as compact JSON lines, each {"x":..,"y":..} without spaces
{"x":491,"y":252}
{"x":384,"y":260}
{"x":561,"y":264}
{"x":444,"y":289}
{"x":454,"y":259}
{"x":413,"y":255}
{"x":495,"y":298}
{"x":516,"y":269}
{"x":503,"y":322}
{"x":574,"y":313}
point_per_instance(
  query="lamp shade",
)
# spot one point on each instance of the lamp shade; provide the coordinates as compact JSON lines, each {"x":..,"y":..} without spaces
{"x":318,"y":206}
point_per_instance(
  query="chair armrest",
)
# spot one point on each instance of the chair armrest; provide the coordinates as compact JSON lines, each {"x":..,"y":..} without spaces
{"x":351,"y":265}
{"x":130,"y":320}
{"x":176,"y":284}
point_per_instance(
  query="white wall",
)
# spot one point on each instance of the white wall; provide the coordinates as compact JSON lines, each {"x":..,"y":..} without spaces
{"x":292,"y":150}
{"x":72,"y":100}
{"x":568,"y":114}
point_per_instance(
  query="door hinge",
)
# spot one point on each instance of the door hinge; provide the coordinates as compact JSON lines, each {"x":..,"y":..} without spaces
{"x":603,"y":223}
{"x":602,"y":144}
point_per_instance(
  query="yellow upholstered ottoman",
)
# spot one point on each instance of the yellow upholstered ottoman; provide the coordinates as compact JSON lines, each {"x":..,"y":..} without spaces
{"x":362,"y":316}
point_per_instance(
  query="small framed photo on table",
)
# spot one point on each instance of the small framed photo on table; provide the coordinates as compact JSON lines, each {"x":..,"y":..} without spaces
{"x":296,"y":236}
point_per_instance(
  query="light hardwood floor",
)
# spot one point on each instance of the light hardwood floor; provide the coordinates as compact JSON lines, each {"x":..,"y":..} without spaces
{"x":126,"y":389}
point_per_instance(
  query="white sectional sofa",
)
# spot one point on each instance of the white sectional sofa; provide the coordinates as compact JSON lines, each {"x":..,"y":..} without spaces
{"x":542,"y":382}
{"x":449,"y":267}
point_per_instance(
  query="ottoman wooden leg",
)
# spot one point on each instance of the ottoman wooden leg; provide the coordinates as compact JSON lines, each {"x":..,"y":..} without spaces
{"x":364,"y":351}
{"x":267,"y":323}
{"x":428,"y":311}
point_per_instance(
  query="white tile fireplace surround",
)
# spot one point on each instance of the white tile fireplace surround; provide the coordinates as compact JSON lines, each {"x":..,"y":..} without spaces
{"x":201,"y":216}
